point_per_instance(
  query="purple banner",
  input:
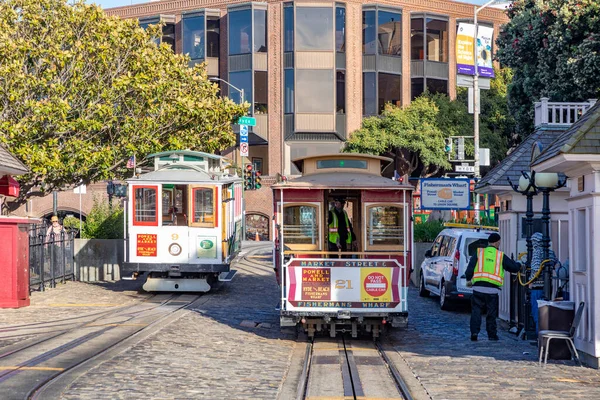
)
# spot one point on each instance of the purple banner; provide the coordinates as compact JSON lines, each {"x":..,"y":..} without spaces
{"x":486,"y":72}
{"x":465,"y":69}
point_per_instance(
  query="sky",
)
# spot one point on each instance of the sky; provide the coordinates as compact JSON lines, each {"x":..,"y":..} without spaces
{"x":118,"y":3}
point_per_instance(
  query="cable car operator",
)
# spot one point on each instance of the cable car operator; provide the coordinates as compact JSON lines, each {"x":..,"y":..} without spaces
{"x":341,"y":234}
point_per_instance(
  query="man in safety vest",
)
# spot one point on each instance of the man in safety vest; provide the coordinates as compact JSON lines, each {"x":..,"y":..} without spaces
{"x":341,"y":235}
{"x":486,"y":274}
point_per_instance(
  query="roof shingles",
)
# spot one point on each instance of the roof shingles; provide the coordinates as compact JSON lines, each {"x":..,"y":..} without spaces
{"x":10,"y":163}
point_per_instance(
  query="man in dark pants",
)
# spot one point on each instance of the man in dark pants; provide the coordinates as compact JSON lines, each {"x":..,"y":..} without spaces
{"x":341,"y":235}
{"x":486,"y":274}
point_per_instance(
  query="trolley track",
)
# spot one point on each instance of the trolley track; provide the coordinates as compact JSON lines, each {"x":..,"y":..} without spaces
{"x":26,"y":370}
{"x":349,"y":369}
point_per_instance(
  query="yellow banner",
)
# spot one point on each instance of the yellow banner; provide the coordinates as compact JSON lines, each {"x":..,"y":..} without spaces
{"x":376,"y":284}
{"x":465,"y":44}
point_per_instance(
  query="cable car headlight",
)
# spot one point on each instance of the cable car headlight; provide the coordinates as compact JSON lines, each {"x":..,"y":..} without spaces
{"x":175,"y":249}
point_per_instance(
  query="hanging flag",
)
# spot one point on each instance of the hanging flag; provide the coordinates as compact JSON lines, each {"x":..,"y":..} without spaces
{"x":131,"y":162}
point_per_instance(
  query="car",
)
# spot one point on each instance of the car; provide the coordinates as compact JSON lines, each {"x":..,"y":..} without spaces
{"x":445,"y":264}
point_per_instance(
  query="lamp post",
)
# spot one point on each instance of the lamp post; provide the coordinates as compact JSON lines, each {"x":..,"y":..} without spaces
{"x":476,"y":171}
{"x":241,"y":91}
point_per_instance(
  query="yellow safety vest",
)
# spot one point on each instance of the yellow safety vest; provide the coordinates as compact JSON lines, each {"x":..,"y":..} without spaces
{"x":333,"y":228}
{"x":489,"y":266}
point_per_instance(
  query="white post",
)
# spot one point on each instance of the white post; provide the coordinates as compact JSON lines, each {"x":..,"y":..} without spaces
{"x":476,"y":115}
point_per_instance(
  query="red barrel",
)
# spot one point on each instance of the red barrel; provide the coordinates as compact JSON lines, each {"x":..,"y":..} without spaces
{"x":14,"y":268}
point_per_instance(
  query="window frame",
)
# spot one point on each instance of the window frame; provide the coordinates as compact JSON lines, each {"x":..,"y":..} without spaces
{"x":318,"y":218}
{"x":367,"y":219}
{"x":192,"y":206}
{"x":156,"y":205}
{"x":230,"y":37}
{"x":184,"y":38}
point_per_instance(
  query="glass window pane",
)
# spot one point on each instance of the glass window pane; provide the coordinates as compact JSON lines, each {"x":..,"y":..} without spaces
{"x":340,"y":92}
{"x":357,"y":164}
{"x":417,"y":87}
{"x":386,"y":226}
{"x":301,"y":225}
{"x":260,"y":92}
{"x":437,"y":86}
{"x":314,"y":28}
{"x":240,"y":32}
{"x":145,"y":205}
{"x":416,"y":39}
{"x":389,"y":33}
{"x":314,"y":91}
{"x":213,"y":32}
{"x":203,"y":206}
{"x":437,"y":40}
{"x":340,"y":29}
{"x":169,"y":35}
{"x":369,"y":95}
{"x":289,"y":91}
{"x":260,"y":31}
{"x":389,"y":90}
{"x":193,"y":37}
{"x":288,"y":25}
{"x":241,"y":80}
{"x":369,"y":32}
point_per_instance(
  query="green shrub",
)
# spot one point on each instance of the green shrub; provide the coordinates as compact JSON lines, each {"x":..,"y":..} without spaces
{"x":71,"y":223}
{"x":103,"y":222}
{"x":428,"y":231}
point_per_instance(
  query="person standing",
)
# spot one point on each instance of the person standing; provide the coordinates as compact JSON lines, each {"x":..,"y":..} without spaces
{"x":485,"y":273}
{"x":341,"y":234}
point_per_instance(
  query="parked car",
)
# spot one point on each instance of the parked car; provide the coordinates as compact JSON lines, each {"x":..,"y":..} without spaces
{"x":445,"y":264}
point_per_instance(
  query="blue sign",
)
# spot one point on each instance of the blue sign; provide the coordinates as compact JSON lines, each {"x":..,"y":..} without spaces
{"x":243,"y":133}
{"x":445,"y":194}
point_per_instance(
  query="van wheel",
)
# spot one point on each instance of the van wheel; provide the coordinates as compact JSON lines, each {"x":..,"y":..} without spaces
{"x":422,"y":291}
{"x":444,"y":302}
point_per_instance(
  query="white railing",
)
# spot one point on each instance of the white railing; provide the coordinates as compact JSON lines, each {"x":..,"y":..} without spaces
{"x":560,"y":114}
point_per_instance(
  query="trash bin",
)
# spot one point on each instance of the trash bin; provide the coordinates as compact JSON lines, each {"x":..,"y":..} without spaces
{"x":556,"y":316}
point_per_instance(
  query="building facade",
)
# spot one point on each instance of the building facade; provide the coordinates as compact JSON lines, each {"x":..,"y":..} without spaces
{"x":311,"y":70}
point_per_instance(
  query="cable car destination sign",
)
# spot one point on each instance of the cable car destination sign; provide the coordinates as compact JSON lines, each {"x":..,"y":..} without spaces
{"x":445,"y":194}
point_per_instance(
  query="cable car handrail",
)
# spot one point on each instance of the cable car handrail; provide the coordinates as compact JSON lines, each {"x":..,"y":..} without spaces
{"x":384,"y":253}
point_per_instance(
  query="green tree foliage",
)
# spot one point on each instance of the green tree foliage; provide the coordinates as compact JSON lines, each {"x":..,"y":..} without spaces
{"x":553,"y":47}
{"x":80,"y":92}
{"x":103,"y":222}
{"x":410,"y":134}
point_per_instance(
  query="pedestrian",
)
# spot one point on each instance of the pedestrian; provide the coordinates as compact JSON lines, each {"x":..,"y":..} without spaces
{"x":537,"y":286}
{"x":341,"y":234}
{"x":55,"y":231}
{"x":485,"y":273}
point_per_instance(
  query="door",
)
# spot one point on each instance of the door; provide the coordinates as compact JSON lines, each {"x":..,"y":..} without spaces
{"x":443,"y":262}
{"x":430,"y":265}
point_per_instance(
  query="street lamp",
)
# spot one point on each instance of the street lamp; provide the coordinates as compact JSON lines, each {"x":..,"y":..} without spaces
{"x":476,"y":171}
{"x":215,"y":79}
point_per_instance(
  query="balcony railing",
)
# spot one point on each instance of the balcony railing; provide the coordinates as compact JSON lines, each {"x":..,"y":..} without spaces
{"x":560,"y":114}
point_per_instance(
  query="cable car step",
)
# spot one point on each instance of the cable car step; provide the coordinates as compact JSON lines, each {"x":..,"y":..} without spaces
{"x":227,"y":276}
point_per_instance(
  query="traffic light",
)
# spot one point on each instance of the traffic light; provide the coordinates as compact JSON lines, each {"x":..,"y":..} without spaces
{"x":257,"y":180}
{"x":448,"y":147}
{"x":249,"y":178}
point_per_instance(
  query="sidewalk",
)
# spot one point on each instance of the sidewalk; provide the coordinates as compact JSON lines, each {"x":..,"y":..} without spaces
{"x":438,"y":349}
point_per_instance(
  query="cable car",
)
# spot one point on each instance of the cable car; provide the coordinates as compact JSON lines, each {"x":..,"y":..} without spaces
{"x":183,"y":222}
{"x":365,"y":288}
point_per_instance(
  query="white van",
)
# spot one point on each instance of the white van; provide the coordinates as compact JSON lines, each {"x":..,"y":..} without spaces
{"x":445,"y":264}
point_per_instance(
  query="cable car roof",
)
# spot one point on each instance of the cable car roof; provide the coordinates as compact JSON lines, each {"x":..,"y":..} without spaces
{"x":185,"y":153}
{"x":342,"y":180}
{"x":184,"y":174}
{"x":300,"y":163}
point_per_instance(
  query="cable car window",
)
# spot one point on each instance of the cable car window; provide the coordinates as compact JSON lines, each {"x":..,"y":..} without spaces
{"x":145,"y":206}
{"x":323,"y":164}
{"x":385,"y":227}
{"x":203,"y":203}
{"x":301,"y":225}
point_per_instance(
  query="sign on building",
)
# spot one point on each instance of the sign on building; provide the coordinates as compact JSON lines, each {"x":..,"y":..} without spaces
{"x":445,"y":194}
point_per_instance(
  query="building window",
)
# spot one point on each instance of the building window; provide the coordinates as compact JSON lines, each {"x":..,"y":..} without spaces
{"x":213,"y":32}
{"x":193,"y":37}
{"x":260,"y":92}
{"x":389,"y":33}
{"x":289,"y":91}
{"x":314,"y":92}
{"x":369,"y":94}
{"x":340,"y":92}
{"x":240,"y":32}
{"x":417,"y":87}
{"x":260,"y":31}
{"x":340,"y":29}
{"x":288,"y":26}
{"x":437,"y":86}
{"x":369,"y":37}
{"x":168,"y":37}
{"x":241,"y":80}
{"x":416,"y":39}
{"x":145,"y":206}
{"x":314,"y":28}
{"x":437,"y":40}
{"x":389,"y":90}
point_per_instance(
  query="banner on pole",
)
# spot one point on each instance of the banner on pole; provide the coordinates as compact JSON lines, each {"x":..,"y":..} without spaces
{"x":465,"y":42}
{"x":484,"y":51}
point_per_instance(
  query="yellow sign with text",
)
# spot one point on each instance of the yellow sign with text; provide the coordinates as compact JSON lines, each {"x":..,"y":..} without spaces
{"x":376,"y":284}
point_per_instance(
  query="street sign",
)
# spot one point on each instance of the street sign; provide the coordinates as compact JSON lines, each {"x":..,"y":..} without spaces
{"x":244,"y":149}
{"x":244,"y":134}
{"x":251,"y":121}
{"x":445,"y":194}
{"x":465,"y":168}
{"x":461,"y":148}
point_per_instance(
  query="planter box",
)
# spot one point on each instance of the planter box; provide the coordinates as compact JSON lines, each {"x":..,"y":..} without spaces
{"x":98,"y":259}
{"x":420,"y":249}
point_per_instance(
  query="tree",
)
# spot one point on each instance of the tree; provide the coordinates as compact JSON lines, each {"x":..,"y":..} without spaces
{"x":553,"y":48}
{"x":410,"y":135}
{"x":80,"y":92}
